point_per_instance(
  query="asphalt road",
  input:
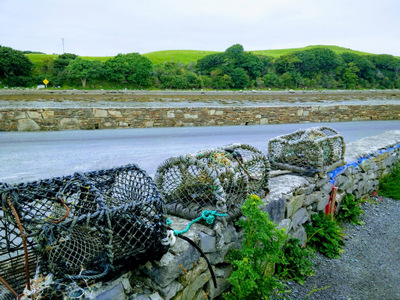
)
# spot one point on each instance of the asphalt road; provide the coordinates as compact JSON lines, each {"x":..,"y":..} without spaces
{"x":27,"y":156}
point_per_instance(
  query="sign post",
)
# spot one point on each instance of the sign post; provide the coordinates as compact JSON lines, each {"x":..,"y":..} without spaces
{"x":46,"y":82}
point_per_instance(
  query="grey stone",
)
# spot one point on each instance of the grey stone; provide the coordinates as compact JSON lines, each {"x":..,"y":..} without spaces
{"x":294,"y":203}
{"x":193,"y":288}
{"x":207,"y":243}
{"x":27,"y":125}
{"x":326,"y":188}
{"x":165,"y":274}
{"x":116,"y":292}
{"x":170,"y":290}
{"x":343,"y":182}
{"x":300,"y":234}
{"x":285,"y":223}
{"x":299,"y":217}
{"x":219,"y":256}
{"x":276,"y":209}
{"x":155,"y":296}
{"x":228,"y":236}
{"x":312,"y":198}
{"x":323,"y":202}
{"x":222,"y":286}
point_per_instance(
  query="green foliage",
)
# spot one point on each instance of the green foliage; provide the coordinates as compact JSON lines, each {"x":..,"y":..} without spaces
{"x":297,"y":265}
{"x":84,"y":70}
{"x":325,"y":235}
{"x":129,"y":68}
{"x":253,"y":276}
{"x":173,"y":75}
{"x":350,"y":210}
{"x":389,"y":185}
{"x":328,"y":67}
{"x":15,"y":67}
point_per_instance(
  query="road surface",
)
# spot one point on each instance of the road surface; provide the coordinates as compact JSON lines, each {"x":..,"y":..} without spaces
{"x":27,"y":156}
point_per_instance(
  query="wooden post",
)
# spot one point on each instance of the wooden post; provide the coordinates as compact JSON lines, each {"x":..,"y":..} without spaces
{"x":332,"y":208}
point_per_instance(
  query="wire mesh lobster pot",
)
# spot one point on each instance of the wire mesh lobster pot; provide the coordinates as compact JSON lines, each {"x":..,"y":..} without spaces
{"x":216,"y":179}
{"x":83,"y":226}
{"x":310,"y":151}
{"x":136,"y":213}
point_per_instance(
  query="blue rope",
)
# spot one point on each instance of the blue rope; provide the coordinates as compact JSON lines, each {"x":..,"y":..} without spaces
{"x":338,"y":170}
{"x":208,"y":215}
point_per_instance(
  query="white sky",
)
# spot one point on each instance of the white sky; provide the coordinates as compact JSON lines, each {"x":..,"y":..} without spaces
{"x":109,"y":27}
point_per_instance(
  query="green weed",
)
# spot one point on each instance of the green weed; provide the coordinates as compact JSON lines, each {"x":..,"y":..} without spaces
{"x":325,"y":235}
{"x":350,"y":210}
{"x":389,"y":185}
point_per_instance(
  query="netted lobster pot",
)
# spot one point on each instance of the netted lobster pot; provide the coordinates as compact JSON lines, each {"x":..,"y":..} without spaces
{"x":136,"y":213}
{"x":82,"y":226}
{"x":13,"y":255}
{"x":217,"y":179}
{"x":32,"y":216}
{"x":310,"y":151}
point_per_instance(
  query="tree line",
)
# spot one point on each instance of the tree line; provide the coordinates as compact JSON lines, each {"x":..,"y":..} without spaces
{"x":232,"y":69}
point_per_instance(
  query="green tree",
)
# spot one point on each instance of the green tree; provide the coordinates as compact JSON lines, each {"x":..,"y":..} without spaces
{"x":349,"y":76}
{"x":129,"y":68}
{"x":83,"y":70}
{"x":240,"y":79}
{"x":15,"y":67}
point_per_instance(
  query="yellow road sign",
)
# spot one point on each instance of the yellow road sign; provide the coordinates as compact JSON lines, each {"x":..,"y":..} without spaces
{"x":46,"y":82}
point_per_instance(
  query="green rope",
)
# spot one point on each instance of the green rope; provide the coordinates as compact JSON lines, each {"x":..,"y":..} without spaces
{"x":208,"y":215}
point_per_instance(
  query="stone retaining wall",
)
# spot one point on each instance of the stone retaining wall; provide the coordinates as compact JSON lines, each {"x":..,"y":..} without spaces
{"x":97,"y":118}
{"x":182,"y":274}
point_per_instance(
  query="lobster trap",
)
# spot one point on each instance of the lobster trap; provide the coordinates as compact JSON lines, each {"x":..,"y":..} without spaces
{"x":217,"y":179}
{"x":309,"y":151}
{"x":80,"y":227}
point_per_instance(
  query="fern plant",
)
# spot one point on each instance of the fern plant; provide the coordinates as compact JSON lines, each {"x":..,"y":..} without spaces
{"x":254,"y":264}
{"x":325,"y":235}
{"x":389,"y":185}
{"x":298,"y":264}
{"x":350,"y":210}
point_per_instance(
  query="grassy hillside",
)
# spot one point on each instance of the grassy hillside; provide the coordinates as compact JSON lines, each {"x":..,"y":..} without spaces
{"x":279,"y":52}
{"x":183,"y":56}
{"x":187,"y":56}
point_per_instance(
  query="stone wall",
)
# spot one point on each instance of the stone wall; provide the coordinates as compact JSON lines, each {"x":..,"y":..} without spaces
{"x":24,"y":119}
{"x":183,"y":274}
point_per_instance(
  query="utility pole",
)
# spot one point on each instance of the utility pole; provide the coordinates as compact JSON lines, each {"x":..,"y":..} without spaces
{"x":63,"y":44}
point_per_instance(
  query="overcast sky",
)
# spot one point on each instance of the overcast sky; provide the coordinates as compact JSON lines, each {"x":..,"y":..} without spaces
{"x":109,"y":27}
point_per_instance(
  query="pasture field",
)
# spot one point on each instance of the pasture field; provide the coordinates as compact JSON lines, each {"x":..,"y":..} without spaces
{"x":188,"y":56}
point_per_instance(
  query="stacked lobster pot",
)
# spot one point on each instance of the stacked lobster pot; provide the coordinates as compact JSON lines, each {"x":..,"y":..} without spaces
{"x":316,"y":150}
{"x":217,"y":179}
{"x":77,"y":228}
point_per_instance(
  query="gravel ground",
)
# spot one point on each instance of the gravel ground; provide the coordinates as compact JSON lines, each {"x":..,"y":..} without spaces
{"x":369,"y":267}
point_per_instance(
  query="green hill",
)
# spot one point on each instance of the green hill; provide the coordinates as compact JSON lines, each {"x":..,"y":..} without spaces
{"x":187,"y":56}
{"x":183,"y":56}
{"x":279,"y":52}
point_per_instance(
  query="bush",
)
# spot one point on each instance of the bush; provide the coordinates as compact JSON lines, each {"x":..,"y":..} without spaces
{"x":389,"y":185}
{"x":350,"y":210}
{"x":254,"y":265}
{"x":297,"y":265}
{"x":325,"y":235}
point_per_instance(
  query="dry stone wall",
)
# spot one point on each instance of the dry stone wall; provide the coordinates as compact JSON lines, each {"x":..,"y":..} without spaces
{"x":183,"y":274}
{"x":24,"y":119}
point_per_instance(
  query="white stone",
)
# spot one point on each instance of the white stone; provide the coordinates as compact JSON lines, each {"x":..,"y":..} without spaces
{"x":115,"y":113}
{"x":27,"y":125}
{"x":190,"y":116}
{"x":170,"y":114}
{"x":34,"y":115}
{"x":99,"y":113}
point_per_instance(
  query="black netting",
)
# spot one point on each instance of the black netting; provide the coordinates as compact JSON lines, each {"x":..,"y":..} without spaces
{"x":314,"y":150}
{"x":79,"y":227}
{"x":216,"y":179}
